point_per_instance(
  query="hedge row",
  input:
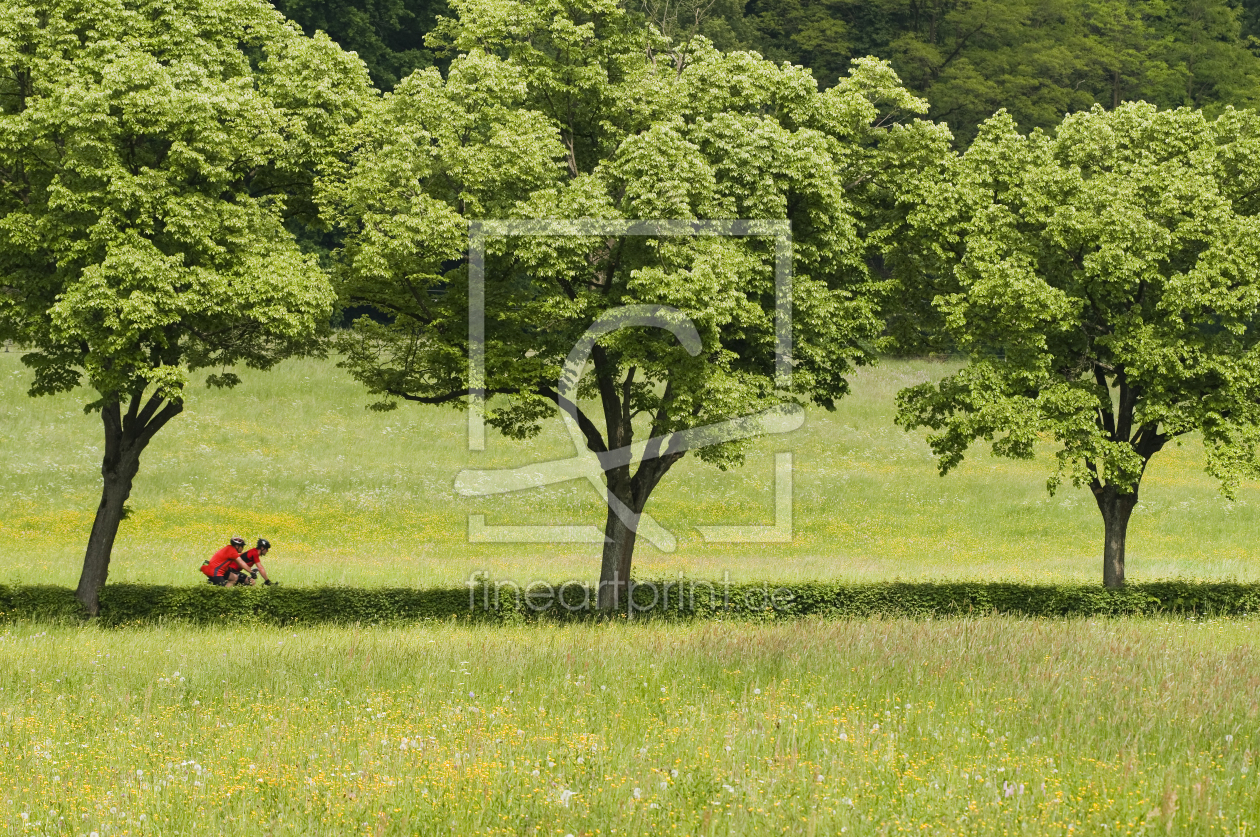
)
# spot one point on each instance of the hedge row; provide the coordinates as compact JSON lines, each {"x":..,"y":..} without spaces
{"x":129,"y":604}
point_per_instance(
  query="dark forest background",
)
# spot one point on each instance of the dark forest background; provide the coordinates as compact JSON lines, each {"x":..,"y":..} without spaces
{"x":1039,"y":59}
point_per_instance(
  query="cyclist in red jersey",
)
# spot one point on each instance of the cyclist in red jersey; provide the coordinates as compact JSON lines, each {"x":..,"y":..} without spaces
{"x":253,"y":559}
{"x":226,"y":567}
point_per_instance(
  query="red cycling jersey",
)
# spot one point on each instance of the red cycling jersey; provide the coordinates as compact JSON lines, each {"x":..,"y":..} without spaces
{"x":251,"y":557}
{"x":226,"y":555}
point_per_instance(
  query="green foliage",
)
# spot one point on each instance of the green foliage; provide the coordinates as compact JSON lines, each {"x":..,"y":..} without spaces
{"x":1249,"y":18}
{"x":146,"y":172}
{"x":150,"y":154}
{"x":1038,"y":59}
{"x":582,"y":111}
{"x":387,"y":35}
{"x":1104,"y":283}
{"x":592,"y":128}
{"x":39,"y":602}
{"x":135,"y":604}
{"x":1119,"y":255}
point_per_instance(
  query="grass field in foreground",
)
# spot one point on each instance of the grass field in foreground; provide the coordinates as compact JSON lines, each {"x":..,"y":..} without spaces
{"x":987,"y":726}
{"x":356,"y":497}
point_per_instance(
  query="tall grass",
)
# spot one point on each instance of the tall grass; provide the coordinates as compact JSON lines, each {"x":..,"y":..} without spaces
{"x":992,"y":726}
{"x":357,"y":497}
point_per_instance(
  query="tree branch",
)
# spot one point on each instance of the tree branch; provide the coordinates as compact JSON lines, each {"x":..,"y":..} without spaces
{"x":172,"y":409}
{"x":594,"y":441}
{"x":1106,"y":419}
{"x":445,"y":398}
{"x":619,"y":435}
{"x":1124,"y":410}
{"x":625,"y":395}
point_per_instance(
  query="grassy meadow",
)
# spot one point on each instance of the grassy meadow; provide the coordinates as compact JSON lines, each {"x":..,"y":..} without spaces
{"x":965,"y":726}
{"x":348,"y":496}
{"x":357,"y":497}
{"x":987,"y":726}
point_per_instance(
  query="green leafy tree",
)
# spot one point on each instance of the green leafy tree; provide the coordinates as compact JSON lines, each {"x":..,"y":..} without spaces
{"x":1106,"y":284}
{"x":721,"y":21}
{"x":388,"y":35}
{"x":822,"y":35}
{"x":1205,"y":46}
{"x":1249,"y":18}
{"x":1038,"y":59}
{"x":580,"y":110}
{"x":150,"y":153}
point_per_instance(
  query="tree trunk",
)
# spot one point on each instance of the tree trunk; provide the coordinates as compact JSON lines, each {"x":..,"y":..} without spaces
{"x":109,"y":514}
{"x":621,"y":535}
{"x":125,"y":439}
{"x":626,"y":494}
{"x":614,"y":571}
{"x":1115,"y":504}
{"x":1116,"y":510}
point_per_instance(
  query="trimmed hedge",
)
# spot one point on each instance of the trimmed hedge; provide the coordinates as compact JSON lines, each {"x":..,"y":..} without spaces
{"x":131,"y":604}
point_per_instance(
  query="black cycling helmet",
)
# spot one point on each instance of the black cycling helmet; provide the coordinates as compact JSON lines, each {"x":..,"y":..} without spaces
{"x":237,"y":541}
{"x":263,"y":543}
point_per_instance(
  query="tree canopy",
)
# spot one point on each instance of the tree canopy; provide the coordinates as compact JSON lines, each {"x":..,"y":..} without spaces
{"x":1038,"y":59}
{"x":388,"y":35}
{"x":1103,"y":282}
{"x":150,"y":153}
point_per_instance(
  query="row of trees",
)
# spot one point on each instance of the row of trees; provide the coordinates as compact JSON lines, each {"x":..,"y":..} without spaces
{"x":161,"y":165}
{"x":1038,"y":59}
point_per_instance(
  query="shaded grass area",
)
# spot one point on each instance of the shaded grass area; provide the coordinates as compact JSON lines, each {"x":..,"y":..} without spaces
{"x":970,"y":726}
{"x":140,"y":604}
{"x":359,"y":498}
